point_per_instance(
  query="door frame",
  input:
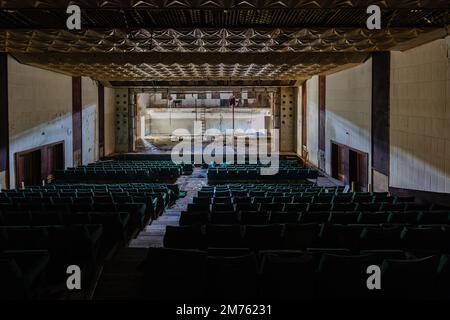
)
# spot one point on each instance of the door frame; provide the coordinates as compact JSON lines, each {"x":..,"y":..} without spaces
{"x":43,"y":150}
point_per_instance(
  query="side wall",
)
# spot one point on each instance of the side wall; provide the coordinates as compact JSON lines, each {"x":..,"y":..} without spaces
{"x":348,"y":110}
{"x":110,"y":132}
{"x":89,"y":98}
{"x":313,"y":120}
{"x":420,"y":118}
{"x":40,"y":113}
{"x":40,"y":110}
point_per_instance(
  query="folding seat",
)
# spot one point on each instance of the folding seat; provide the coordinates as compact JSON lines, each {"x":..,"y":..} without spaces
{"x":344,"y":206}
{"x":174,"y":282}
{"x":65,"y":200}
{"x":79,"y":218}
{"x":343,"y":277}
{"x":232,"y":277}
{"x":264,"y":237}
{"x":314,"y":217}
{"x":262,"y":200}
{"x":46,"y":219}
{"x":222,"y":193}
{"x":406,"y":217}
{"x":381,"y":238}
{"x":323,"y":199}
{"x":185,"y":237}
{"x":287,"y":275}
{"x":224,"y":217}
{"x":224,"y":236}
{"x":425,"y":239}
{"x":295,"y":207}
{"x":138,"y":212}
{"x":257,"y":194}
{"x":222,"y":207}
{"x":393,"y":207}
{"x":114,"y":226}
{"x":339,"y":217}
{"x":202,"y":200}
{"x":187,"y":218}
{"x":104,"y":207}
{"x":81,"y":201}
{"x":22,"y":273}
{"x":362,"y":198}
{"x":378,"y":256}
{"x":103,"y":199}
{"x":81,"y":208}
{"x":239,"y":193}
{"x":434,"y":217}
{"x":410,"y":279}
{"x":322,"y":207}
{"x":301,"y":236}
{"x":414,"y":206}
{"x":342,"y":236}
{"x":272,"y":194}
{"x":239,"y":200}
{"x":16,"y":218}
{"x":438,"y":207}
{"x":368,"y":207}
{"x":284,"y":217}
{"x":404,"y":199}
{"x":302,"y":199}
{"x":373,"y":217}
{"x":73,"y":245}
{"x":254,"y":217}
{"x":5,"y":200}
{"x":84,"y":194}
{"x":198,"y":208}
{"x":122,"y":199}
{"x":222,"y":200}
{"x":271,"y":207}
{"x":247,"y":207}
{"x":27,"y":238}
{"x":282,"y":199}
{"x":383,"y":199}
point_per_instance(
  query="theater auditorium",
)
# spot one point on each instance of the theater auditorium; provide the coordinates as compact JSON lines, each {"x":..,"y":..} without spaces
{"x":223,"y":150}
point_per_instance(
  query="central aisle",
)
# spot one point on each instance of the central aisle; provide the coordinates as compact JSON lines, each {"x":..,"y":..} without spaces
{"x":153,"y":234}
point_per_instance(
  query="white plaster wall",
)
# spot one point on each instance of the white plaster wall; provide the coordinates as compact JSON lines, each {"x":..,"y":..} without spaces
{"x":110,"y":138}
{"x":89,"y":97}
{"x":420,"y":118}
{"x":40,"y":110}
{"x":313,"y":119}
{"x":163,"y":122}
{"x":349,"y":110}
{"x":299,"y":122}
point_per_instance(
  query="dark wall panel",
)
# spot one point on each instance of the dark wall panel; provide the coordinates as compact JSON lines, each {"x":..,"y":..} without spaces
{"x":322,"y":112}
{"x":304,"y":116}
{"x":101,"y":120}
{"x":381,"y":62}
{"x":4,"y":123}
{"x":77,"y":121}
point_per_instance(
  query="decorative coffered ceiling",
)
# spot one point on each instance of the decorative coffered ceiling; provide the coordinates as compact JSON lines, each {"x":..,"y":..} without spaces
{"x":205,"y":40}
{"x":182,"y":40}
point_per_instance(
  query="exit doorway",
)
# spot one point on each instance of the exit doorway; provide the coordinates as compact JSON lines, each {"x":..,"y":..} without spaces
{"x":36,"y":165}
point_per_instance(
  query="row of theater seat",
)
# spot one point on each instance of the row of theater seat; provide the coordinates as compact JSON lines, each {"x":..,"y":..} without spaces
{"x":286,"y":170}
{"x":269,"y":205}
{"x":124,"y":171}
{"x":45,"y":229}
{"x":310,"y":274}
{"x":334,"y":217}
{"x":32,"y":258}
{"x":428,"y":238}
{"x":230,"y":174}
